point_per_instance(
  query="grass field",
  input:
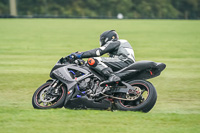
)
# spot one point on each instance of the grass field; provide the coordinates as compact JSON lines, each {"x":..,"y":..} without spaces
{"x":30,"y":47}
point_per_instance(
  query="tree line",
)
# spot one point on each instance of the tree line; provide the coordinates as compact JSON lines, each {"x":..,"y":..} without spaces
{"x":142,"y":9}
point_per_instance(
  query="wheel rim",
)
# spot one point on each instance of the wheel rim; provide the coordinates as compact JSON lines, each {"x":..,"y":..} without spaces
{"x":144,"y":93}
{"x":47,"y":101}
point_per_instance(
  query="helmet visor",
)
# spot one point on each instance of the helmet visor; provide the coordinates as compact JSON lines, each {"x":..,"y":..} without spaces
{"x":102,"y":41}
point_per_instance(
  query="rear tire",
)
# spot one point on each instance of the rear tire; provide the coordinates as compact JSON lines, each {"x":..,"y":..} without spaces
{"x":140,"y":104}
{"x":57,"y":102}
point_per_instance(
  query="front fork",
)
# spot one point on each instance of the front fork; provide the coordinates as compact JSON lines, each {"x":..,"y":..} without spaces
{"x":53,"y":88}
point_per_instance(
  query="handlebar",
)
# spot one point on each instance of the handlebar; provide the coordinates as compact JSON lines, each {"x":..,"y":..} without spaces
{"x":71,"y":60}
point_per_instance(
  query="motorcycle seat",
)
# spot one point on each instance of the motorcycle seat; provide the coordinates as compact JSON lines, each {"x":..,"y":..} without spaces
{"x":138,"y":66}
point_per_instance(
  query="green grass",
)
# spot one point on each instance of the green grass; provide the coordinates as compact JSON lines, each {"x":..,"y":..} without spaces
{"x":29,"y":48}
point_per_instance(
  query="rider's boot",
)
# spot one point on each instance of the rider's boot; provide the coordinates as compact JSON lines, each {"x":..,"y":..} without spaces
{"x":112,"y":78}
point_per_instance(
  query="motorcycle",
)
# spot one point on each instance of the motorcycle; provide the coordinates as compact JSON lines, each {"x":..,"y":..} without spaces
{"x":75,"y":85}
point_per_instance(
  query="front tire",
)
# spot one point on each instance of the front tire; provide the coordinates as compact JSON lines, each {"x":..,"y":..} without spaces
{"x":50,"y":102}
{"x":142,"y":103}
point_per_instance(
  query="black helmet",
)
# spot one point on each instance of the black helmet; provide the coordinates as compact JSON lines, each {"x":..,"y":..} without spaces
{"x":108,"y":36}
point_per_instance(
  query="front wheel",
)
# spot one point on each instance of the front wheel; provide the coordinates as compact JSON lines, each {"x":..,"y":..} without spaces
{"x":41,"y":100}
{"x":143,"y":102}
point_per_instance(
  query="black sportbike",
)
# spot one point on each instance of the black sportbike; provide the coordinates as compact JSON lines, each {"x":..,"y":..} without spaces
{"x":75,"y":85}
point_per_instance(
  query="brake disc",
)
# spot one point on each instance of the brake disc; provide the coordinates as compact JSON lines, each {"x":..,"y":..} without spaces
{"x":44,"y":97}
{"x":133,"y":94}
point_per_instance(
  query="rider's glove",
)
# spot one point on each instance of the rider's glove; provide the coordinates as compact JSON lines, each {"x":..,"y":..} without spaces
{"x":76,"y":55}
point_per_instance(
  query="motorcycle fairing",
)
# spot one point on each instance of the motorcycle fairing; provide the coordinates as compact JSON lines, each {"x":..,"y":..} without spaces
{"x":141,"y":70}
{"x":84,"y":102}
{"x":63,"y":74}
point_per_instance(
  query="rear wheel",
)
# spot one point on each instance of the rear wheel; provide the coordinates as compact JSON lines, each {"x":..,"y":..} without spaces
{"x":41,"y":99}
{"x":143,"y":101}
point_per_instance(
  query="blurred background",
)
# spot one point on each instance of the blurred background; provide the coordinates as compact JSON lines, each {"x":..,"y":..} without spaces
{"x":157,"y":31}
{"x":128,"y":9}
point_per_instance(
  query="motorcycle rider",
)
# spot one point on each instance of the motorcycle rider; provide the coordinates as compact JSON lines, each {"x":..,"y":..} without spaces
{"x":120,"y":52}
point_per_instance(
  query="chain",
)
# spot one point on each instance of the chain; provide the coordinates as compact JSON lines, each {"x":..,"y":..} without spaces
{"x":118,"y":98}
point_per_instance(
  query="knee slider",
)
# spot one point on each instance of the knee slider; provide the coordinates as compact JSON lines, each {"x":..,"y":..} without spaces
{"x":92,"y":62}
